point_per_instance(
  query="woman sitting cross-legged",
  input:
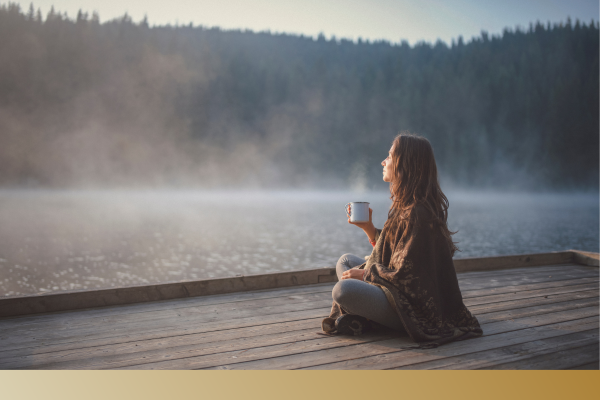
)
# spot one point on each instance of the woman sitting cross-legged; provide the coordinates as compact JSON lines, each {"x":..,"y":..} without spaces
{"x":408,"y":283}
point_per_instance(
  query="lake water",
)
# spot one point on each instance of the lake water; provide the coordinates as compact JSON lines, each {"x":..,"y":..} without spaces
{"x":62,"y":240}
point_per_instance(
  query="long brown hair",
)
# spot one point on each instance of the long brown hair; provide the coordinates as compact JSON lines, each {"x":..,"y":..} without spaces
{"x":415,"y":182}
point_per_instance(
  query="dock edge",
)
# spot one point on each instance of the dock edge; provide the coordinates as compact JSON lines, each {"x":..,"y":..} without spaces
{"x":82,"y":299}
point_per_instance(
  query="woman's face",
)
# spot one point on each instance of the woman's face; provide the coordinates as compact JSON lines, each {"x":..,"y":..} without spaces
{"x":387,"y":167}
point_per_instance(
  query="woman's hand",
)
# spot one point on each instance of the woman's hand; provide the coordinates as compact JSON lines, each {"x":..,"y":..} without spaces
{"x":354,"y":274}
{"x":368,"y":227}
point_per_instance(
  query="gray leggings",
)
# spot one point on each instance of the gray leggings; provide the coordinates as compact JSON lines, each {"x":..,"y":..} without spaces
{"x":361,"y":298}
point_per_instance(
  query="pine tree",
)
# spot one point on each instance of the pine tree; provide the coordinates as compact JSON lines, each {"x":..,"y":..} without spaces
{"x":31,"y":13}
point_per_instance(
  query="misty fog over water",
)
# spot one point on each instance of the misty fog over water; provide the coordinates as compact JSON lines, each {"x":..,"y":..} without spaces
{"x":74,"y":240}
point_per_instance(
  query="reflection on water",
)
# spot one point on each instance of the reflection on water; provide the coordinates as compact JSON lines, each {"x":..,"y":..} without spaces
{"x":54,"y":241}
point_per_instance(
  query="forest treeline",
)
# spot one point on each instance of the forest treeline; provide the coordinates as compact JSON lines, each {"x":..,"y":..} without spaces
{"x":120,"y":103}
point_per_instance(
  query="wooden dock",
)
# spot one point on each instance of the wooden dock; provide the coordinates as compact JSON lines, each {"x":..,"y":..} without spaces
{"x":537,"y":311}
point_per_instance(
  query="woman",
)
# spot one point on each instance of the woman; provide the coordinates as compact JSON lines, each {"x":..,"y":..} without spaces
{"x":408,"y":283}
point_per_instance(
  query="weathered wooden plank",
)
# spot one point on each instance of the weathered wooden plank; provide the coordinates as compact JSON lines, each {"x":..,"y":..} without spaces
{"x":76,"y":343}
{"x":525,"y":294}
{"x":139,"y":352}
{"x":574,"y":270}
{"x":483,"y":281}
{"x":387,"y":355}
{"x":317,"y":342}
{"x":512,"y":261}
{"x":549,"y":280}
{"x":529,"y":286}
{"x":515,"y":304}
{"x":523,"y":277}
{"x":569,"y":268}
{"x":111,"y":353}
{"x":559,"y":360}
{"x":493,"y":328}
{"x":221,"y":352}
{"x":125,"y":332}
{"x":187,"y":317}
{"x":271,"y":356}
{"x":63,"y":322}
{"x":586,"y":258}
{"x":534,"y":310}
{"x":151,"y":343}
{"x":488,"y":358}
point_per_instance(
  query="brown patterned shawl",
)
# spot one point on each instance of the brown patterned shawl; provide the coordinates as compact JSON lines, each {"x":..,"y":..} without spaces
{"x":416,"y":273}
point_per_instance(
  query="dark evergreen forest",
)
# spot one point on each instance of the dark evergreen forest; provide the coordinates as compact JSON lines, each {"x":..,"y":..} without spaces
{"x":119,"y":103}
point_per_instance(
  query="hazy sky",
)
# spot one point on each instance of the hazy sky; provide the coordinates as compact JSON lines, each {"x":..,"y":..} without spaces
{"x":393,"y":20}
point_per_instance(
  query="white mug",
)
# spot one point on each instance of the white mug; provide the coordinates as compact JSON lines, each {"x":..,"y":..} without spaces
{"x":359,"y":211}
